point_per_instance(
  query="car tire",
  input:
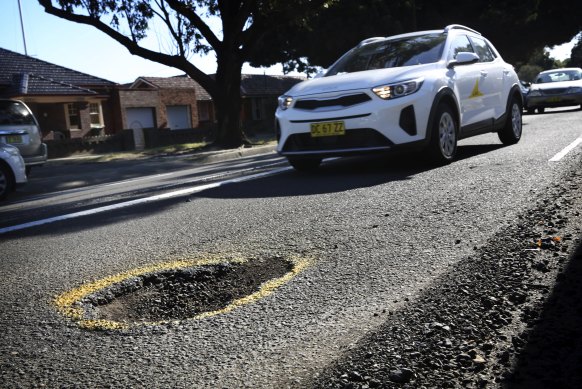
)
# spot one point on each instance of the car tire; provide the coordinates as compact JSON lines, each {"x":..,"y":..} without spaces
{"x":541,"y":110}
{"x":531,"y":111}
{"x":305,"y":164}
{"x":511,"y":132}
{"x":6,"y":181}
{"x":444,"y":135}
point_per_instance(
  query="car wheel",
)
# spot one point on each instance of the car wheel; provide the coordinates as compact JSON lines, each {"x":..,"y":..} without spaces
{"x":6,"y":181}
{"x":531,"y":111}
{"x":305,"y":164}
{"x":541,"y":110}
{"x":443,"y":141}
{"x":511,"y":132}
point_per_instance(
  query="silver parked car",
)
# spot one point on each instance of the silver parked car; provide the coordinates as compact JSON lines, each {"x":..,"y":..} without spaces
{"x":555,"y":88}
{"x":12,"y":170}
{"x":18,"y":127}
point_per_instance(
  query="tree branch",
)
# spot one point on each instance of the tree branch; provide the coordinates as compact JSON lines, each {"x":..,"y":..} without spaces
{"x":177,"y":35}
{"x":189,"y":13}
{"x":134,"y":48}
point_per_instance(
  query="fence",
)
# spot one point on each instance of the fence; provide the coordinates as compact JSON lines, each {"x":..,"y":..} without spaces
{"x":124,"y":141}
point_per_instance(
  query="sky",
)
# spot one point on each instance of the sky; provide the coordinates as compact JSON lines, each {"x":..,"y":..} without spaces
{"x":88,"y":50}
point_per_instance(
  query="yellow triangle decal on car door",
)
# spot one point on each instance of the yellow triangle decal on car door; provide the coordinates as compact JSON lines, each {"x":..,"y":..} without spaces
{"x":476,"y":92}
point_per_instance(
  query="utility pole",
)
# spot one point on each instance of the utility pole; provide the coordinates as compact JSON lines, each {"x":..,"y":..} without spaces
{"x":22,"y":27}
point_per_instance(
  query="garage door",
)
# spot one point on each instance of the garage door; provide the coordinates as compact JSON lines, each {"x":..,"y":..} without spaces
{"x":178,"y":117}
{"x":140,"y":118}
{"x":137,"y":120}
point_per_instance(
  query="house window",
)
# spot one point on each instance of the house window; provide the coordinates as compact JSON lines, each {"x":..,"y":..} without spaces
{"x":74,"y":117}
{"x":96,"y":115}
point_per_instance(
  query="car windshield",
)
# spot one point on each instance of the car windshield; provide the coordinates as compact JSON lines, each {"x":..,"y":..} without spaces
{"x":557,"y":76}
{"x":415,"y":50}
{"x":13,"y":112}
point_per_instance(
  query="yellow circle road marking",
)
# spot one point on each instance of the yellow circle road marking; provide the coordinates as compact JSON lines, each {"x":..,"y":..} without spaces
{"x":68,"y":305}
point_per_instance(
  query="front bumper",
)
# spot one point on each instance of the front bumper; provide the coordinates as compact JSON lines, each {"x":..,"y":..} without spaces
{"x":374,"y":126}
{"x":558,"y":100}
{"x":39,"y":158}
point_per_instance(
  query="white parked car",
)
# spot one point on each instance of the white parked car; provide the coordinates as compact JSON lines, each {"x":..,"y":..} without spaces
{"x":19,"y":127}
{"x":12,"y":169}
{"x":555,"y":88}
{"x":425,"y":89}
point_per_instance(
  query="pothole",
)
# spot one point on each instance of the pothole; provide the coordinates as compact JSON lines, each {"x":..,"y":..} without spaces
{"x":175,"y":291}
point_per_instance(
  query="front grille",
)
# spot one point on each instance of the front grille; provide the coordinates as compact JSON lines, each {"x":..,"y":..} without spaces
{"x":353,"y":139}
{"x":344,"y":101}
{"x":555,"y":91}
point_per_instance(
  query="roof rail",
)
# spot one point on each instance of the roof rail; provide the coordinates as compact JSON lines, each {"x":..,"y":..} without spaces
{"x":460,"y":27}
{"x":370,"y":40}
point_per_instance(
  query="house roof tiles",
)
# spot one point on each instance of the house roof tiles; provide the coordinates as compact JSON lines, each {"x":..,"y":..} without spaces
{"x":267,"y":85}
{"x":21,"y":74}
{"x":252,"y":85}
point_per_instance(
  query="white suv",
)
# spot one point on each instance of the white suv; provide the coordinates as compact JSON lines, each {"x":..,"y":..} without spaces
{"x":425,"y":89}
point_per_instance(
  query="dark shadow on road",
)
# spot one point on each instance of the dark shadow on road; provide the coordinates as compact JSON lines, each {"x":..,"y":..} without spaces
{"x":336,"y":176}
{"x":77,"y":224}
{"x":552,"y":358}
{"x":343,"y":174}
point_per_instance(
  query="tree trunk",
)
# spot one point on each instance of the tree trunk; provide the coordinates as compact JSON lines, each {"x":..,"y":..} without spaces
{"x":228,"y":102}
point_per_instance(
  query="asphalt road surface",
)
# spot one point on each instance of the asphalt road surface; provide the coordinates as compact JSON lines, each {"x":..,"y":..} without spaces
{"x":366,"y":237}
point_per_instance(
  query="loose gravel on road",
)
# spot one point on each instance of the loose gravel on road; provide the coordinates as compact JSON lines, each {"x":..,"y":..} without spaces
{"x":510,"y":316}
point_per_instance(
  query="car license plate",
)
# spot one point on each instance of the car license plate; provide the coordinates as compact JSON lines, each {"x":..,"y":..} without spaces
{"x":328,"y":129}
{"x":554,"y":99}
{"x":14,"y":139}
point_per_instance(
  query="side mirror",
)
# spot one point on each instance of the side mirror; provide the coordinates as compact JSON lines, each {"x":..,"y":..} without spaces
{"x":463,"y":58}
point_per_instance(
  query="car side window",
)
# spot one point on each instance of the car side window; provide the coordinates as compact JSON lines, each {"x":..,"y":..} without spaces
{"x":460,"y":44}
{"x":483,"y":50}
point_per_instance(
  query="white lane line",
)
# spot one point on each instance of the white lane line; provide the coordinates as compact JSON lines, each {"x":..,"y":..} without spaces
{"x":566,"y":150}
{"x":177,"y":193}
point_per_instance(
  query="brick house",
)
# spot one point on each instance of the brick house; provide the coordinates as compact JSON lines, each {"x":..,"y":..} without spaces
{"x":259,"y":94}
{"x":73,"y":105}
{"x":67,"y":103}
{"x":180,"y":102}
{"x":160,"y":102}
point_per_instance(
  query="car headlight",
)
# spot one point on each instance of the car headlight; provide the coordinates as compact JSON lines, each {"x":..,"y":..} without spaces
{"x":392,"y":91}
{"x":575,"y":89}
{"x":534,"y":93}
{"x":285,"y":102}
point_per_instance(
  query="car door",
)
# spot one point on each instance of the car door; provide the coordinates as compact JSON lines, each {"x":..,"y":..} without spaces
{"x":490,"y":80}
{"x":464,"y":79}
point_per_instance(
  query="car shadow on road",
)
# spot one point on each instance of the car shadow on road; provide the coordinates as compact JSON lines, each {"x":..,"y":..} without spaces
{"x":344,"y":174}
{"x":552,"y":356}
{"x":336,"y":176}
